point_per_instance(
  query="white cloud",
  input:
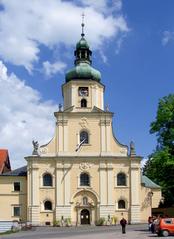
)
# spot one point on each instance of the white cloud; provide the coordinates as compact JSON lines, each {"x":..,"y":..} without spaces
{"x":167,"y":37}
{"x":143,"y":162}
{"x":25,"y":25}
{"x":23,"y":116}
{"x":51,"y":69}
{"x":102,"y":5}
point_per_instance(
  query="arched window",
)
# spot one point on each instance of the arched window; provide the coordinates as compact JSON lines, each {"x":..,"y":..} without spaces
{"x":121,"y":204}
{"x":83,"y":103}
{"x":121,"y":179}
{"x":47,"y":205}
{"x":47,"y":180}
{"x":84,"y":137}
{"x":85,"y":200}
{"x":84,"y":179}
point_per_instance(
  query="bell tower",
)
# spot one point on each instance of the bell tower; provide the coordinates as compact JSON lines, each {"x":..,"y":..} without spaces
{"x":82,"y":90}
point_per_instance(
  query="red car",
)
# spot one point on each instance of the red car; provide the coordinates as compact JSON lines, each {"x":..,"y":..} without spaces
{"x":165,"y":227}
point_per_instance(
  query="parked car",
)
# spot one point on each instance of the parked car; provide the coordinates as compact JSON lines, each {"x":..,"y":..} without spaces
{"x":165,"y":227}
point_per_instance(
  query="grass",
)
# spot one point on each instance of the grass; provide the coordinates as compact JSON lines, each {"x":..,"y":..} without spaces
{"x":8,"y":232}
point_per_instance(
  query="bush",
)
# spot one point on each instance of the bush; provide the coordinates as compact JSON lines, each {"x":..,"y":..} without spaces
{"x":100,"y":221}
{"x":67,"y":221}
{"x":56,"y":223}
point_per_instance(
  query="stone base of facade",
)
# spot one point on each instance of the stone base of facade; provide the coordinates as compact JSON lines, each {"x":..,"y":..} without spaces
{"x":34,"y":215}
{"x":135,"y":214}
{"x":106,"y":211}
{"x":63,"y":211}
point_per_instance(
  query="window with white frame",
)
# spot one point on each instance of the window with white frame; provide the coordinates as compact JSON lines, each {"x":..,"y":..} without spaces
{"x":16,"y":211}
{"x":121,"y":204}
{"x":47,"y":180}
{"x":47,"y":205}
{"x":84,"y":137}
{"x":16,"y":186}
{"x":121,"y":179}
{"x":84,"y":179}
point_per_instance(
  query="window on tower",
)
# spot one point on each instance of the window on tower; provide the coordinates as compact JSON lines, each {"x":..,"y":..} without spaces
{"x":121,"y":179}
{"x":84,"y":137}
{"x":47,"y":180}
{"x":83,"y":103}
{"x":84,"y":179}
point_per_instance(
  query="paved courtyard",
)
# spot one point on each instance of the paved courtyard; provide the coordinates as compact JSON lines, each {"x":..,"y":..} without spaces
{"x":105,"y":232}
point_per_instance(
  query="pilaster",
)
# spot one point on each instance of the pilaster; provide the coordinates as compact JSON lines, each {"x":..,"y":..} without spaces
{"x":67,"y":189}
{"x":103,"y":184}
{"x":62,"y":132}
{"x":110,"y":185}
{"x":135,"y":192}
{"x":59,"y":184}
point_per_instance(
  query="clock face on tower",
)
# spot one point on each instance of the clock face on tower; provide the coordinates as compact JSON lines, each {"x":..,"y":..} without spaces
{"x":83,"y":91}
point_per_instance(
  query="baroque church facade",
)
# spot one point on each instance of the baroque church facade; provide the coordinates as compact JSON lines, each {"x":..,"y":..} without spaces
{"x":83,"y":173}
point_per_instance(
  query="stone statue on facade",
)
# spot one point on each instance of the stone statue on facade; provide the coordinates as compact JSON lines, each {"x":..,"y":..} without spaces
{"x":132,"y":149}
{"x":107,"y":108}
{"x":60,"y":107}
{"x":35,"y":147}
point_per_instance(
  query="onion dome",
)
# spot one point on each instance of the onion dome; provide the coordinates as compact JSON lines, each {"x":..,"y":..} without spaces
{"x":83,"y":69}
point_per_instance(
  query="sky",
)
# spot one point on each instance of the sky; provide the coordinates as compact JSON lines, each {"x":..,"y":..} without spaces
{"x":132,"y":43}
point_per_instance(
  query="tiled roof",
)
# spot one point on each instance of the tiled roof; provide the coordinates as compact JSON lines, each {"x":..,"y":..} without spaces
{"x":17,"y":172}
{"x":148,"y":183}
{"x":4,"y":160}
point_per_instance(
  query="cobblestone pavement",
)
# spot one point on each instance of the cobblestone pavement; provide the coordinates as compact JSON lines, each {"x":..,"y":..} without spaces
{"x":85,"y":232}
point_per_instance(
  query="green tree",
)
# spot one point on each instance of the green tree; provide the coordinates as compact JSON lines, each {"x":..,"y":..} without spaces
{"x":160,"y":166}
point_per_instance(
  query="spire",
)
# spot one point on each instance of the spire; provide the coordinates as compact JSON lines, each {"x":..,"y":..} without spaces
{"x":83,"y":34}
{"x":83,"y":69}
{"x":82,"y":52}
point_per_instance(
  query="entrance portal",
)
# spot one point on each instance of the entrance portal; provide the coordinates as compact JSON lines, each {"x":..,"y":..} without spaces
{"x":85,"y":217}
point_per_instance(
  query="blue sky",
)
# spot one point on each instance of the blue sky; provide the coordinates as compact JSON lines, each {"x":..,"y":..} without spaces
{"x":132,"y":44}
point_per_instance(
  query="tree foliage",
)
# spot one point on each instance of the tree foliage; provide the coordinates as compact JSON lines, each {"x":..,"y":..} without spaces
{"x":160,"y":166}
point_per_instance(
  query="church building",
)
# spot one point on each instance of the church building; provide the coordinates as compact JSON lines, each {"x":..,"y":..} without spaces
{"x":84,"y":173}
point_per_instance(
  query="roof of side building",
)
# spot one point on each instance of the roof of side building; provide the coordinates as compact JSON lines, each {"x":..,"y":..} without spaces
{"x":4,"y":161}
{"x":148,"y":183}
{"x":17,"y":172}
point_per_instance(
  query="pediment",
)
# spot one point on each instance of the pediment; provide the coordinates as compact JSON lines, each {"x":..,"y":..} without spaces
{"x":97,"y":110}
{"x":69,"y":109}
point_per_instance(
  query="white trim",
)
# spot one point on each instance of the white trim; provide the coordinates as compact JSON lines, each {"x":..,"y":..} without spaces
{"x":20,"y":210}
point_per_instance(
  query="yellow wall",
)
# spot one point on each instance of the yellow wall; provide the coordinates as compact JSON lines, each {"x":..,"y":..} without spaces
{"x":9,"y":198}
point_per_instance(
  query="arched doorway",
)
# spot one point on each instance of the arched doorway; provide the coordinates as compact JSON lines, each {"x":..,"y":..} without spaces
{"x":85,"y":217}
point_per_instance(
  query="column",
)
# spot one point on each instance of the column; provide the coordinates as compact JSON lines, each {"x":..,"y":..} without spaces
{"x":135,"y":193}
{"x":59,"y":184}
{"x":102,"y":99}
{"x":94,"y":96}
{"x":65,"y":134}
{"x":103,"y":184}
{"x":35,"y":205}
{"x":103,"y":190}
{"x":63,"y":206}
{"x":74,"y":96}
{"x":29,"y":195}
{"x":110,"y":184}
{"x":103,"y":136}
{"x":67,"y":190}
{"x":59,"y":190}
{"x":108,"y":135}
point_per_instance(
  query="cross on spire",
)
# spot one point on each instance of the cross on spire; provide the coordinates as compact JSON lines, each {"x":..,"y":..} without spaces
{"x":83,"y":16}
